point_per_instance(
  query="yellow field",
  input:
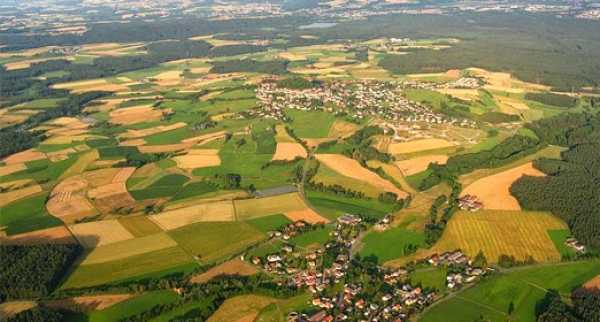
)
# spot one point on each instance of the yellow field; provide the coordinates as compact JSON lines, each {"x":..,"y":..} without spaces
{"x":132,"y":134}
{"x":27,"y":63}
{"x":259,"y":207}
{"x":127,"y":248}
{"x":241,"y":308}
{"x":289,"y":151}
{"x":55,"y":235}
{"x":164,"y":148}
{"x":342,"y":129}
{"x":198,"y":158}
{"x":418,"y":145}
{"x":308,"y":215}
{"x":418,"y":164}
{"x":215,"y":211}
{"x":136,"y":114}
{"x":91,"y":85}
{"x":232,"y":267}
{"x":99,"y":233}
{"x":510,"y":105}
{"x":496,"y":233}
{"x":11,"y":168}
{"x":394,"y":172}
{"x":9,"y":309}
{"x":352,"y":169}
{"x":14,"y":195}
{"x":329,"y":177}
{"x":493,"y":190}
{"x":25,"y":156}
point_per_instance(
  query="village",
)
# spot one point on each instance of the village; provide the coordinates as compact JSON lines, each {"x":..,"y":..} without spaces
{"x":336,"y":280}
{"x":357,"y":99}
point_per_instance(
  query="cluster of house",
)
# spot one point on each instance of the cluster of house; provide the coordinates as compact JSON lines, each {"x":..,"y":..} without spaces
{"x":358,"y":99}
{"x":575,"y":244}
{"x":65,"y":51}
{"x":470,"y":203}
{"x":384,"y":223}
{"x":464,"y":83}
{"x":466,"y":274}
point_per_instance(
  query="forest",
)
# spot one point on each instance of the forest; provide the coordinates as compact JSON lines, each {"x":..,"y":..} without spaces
{"x":585,"y":306}
{"x":33,"y":271}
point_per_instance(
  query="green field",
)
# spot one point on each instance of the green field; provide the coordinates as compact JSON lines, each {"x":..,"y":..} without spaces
{"x":279,"y":310}
{"x":124,"y":269}
{"x":558,"y":238}
{"x":333,"y":206}
{"x":318,"y":236}
{"x":313,"y":124}
{"x":432,"y":278}
{"x":212,"y":241}
{"x":380,"y":243}
{"x":522,"y":286}
{"x":133,"y":306}
{"x":166,"y":186}
{"x":269,"y":223}
{"x":194,"y":189}
{"x":26,"y":215}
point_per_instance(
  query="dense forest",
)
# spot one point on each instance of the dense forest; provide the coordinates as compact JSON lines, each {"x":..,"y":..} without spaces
{"x":570,"y":188}
{"x":585,"y":307}
{"x":33,"y":271}
{"x":559,"y":100}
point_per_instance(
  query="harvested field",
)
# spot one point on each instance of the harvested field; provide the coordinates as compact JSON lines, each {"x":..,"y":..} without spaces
{"x":168,"y":78}
{"x":198,"y":158}
{"x":70,"y":207}
{"x":133,"y":142}
{"x":511,"y":105}
{"x":99,"y":233}
{"x":418,"y":145}
{"x":91,"y":85}
{"x":493,"y":190}
{"x":100,"y":177}
{"x":395,"y":173}
{"x":208,"y":212}
{"x":54,"y":235}
{"x":352,"y":169}
{"x":25,"y":156}
{"x":9,"y":309}
{"x":114,"y":201}
{"x":123,"y":175}
{"x":136,"y":114}
{"x":289,"y":151}
{"x":594,"y":283}
{"x":23,"y":64}
{"x":241,"y":308}
{"x":260,"y":207}
{"x":164,"y":148}
{"x":88,"y":303}
{"x":14,"y":195}
{"x":132,"y":134}
{"x":201,"y":139}
{"x":419,"y":164}
{"x":232,"y":267}
{"x":342,"y":129}
{"x":308,"y":215}
{"x":129,"y":247}
{"x":460,"y":93}
{"x":514,"y":233}
{"x":505,"y":83}
{"x":12,"y":168}
{"x":11,"y":185}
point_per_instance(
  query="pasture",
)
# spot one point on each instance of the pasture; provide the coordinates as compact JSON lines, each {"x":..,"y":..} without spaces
{"x":391,"y":243}
{"x":310,"y":124}
{"x":514,"y":233}
{"x":523,"y":287}
{"x":212,"y":241}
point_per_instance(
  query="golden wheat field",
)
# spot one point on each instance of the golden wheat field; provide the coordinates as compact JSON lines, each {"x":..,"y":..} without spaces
{"x":516,"y":233}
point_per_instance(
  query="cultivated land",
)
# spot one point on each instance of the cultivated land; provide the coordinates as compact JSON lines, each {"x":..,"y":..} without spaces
{"x":205,"y":175}
{"x":495,"y":233}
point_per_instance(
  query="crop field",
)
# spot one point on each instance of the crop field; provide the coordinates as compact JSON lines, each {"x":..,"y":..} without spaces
{"x":232,"y":267}
{"x":310,"y":124}
{"x":14,"y":195}
{"x":211,"y":241}
{"x":289,"y":151}
{"x":128,"y":248}
{"x":308,"y":215}
{"x":139,"y":226}
{"x":259,"y":207}
{"x":88,"y":303}
{"x":9,"y":309}
{"x":418,"y":146}
{"x":329,"y":177}
{"x":332,"y":206}
{"x":126,"y":268}
{"x":198,"y":158}
{"x":99,"y":233}
{"x":352,"y":169}
{"x":137,"y":114}
{"x":493,"y":190}
{"x":495,"y":233}
{"x":241,"y":308}
{"x":27,"y":215}
{"x":220,"y":211}
{"x":523,"y":287}
{"x":269,"y":223}
{"x":415,"y":165}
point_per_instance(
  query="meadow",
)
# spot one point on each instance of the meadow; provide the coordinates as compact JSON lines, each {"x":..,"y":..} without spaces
{"x":521,"y":286}
{"x":332,"y":206}
{"x":391,"y":243}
